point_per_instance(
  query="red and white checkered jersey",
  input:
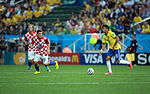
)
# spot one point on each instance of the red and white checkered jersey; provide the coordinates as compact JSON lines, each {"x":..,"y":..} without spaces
{"x":41,"y":45}
{"x":28,"y":38}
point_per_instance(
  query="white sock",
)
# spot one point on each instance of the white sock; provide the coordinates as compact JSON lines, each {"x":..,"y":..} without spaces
{"x":124,"y":62}
{"x":109,"y":66}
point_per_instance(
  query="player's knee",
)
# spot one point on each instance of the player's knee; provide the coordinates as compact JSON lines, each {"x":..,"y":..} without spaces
{"x":108,"y":58}
{"x":30,"y":60}
{"x":118,"y":61}
{"x":36,"y":64}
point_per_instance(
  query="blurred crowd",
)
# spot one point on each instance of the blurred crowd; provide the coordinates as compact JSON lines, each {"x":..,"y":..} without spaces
{"x":117,"y":14}
{"x":13,"y":14}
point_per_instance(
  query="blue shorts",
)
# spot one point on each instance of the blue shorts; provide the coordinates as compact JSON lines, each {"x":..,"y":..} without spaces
{"x":115,"y":53}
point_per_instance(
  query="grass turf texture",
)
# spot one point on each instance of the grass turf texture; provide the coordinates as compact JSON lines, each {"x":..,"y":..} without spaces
{"x":73,"y":79}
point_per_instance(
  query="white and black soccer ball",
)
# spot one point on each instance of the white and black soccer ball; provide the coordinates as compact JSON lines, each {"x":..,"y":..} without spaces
{"x":90,"y":71}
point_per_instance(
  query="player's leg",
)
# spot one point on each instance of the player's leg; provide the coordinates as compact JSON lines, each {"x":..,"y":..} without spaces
{"x":109,"y":55}
{"x":108,"y":65}
{"x":118,"y":57}
{"x":134,"y":57}
{"x":36,"y":59}
{"x":37,"y":68}
{"x":47,"y":68}
{"x":54,"y":63}
{"x":100,"y":47}
{"x":30,"y":59}
{"x":46,"y":63}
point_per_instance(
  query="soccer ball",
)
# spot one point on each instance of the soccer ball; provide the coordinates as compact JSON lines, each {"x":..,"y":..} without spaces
{"x":90,"y":71}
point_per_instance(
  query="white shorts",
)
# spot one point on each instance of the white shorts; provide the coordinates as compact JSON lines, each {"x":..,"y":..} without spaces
{"x":38,"y":57}
{"x":30,"y":55}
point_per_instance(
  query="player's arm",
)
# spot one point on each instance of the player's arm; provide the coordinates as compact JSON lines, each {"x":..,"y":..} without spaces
{"x":26,"y":43}
{"x":104,"y":45}
{"x":48,"y":47}
{"x":104,"y":41}
{"x":135,"y":46}
{"x":117,"y":39}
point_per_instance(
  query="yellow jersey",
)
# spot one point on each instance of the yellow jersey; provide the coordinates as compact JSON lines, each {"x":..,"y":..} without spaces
{"x":2,"y":8}
{"x":87,"y":6}
{"x":58,"y":1}
{"x":8,"y":21}
{"x":22,"y":17}
{"x":146,"y":30}
{"x":143,"y":26}
{"x":29,"y":14}
{"x":47,"y":8}
{"x":14,"y":20}
{"x":42,"y":7}
{"x":111,"y":39}
{"x":37,"y":13}
{"x":137,"y":19}
{"x":73,"y":31}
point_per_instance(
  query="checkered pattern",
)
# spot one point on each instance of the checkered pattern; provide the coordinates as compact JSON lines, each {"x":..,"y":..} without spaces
{"x":28,"y":38}
{"x":41,"y":45}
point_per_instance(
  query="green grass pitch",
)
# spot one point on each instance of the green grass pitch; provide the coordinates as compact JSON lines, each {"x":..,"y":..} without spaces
{"x":73,"y":79}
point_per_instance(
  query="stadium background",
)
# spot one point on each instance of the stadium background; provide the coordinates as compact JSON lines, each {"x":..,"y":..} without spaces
{"x":64,"y":22}
{"x":61,"y":22}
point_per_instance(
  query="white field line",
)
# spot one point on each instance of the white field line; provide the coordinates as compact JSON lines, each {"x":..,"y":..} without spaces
{"x":79,"y":83}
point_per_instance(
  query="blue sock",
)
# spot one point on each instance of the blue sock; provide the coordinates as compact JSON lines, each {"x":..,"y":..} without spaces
{"x":37,"y":68}
{"x":52,"y":63}
{"x":30,"y":63}
{"x":46,"y":67}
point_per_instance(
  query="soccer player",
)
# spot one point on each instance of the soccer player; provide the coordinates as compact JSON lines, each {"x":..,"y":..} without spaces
{"x":114,"y":50}
{"x":42,"y":50}
{"x":133,"y":47}
{"x":28,"y":40}
{"x":31,"y":49}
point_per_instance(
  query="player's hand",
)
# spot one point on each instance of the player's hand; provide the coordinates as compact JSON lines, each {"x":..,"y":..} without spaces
{"x":113,"y":48}
{"x":100,"y":53}
{"x":48,"y":51}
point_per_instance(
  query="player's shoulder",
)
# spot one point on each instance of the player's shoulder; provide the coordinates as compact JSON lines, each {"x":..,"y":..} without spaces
{"x":34,"y":33}
{"x":111,"y":33}
{"x":104,"y":35}
{"x":134,"y":41}
{"x":44,"y":37}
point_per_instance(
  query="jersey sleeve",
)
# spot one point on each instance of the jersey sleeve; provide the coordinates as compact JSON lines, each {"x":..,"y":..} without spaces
{"x":47,"y":41}
{"x":104,"y":40}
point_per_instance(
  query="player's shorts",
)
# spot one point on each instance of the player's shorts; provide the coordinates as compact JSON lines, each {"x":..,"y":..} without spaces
{"x":115,"y":53}
{"x":30,"y":55}
{"x":38,"y":57}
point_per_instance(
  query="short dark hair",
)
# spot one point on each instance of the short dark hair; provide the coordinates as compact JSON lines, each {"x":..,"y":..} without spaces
{"x":106,"y":26}
{"x":39,"y":31}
